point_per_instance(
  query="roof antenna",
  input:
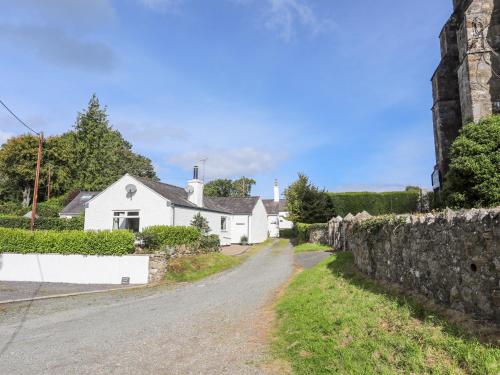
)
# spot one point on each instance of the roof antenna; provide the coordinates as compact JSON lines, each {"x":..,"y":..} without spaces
{"x":203,"y":161}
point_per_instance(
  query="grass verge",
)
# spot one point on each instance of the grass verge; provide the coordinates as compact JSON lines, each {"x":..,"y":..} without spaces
{"x":199,"y":266}
{"x":332,"y":320}
{"x":306,"y":247}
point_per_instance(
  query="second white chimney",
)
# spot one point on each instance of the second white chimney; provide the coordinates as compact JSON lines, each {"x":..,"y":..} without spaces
{"x":276,"y":191}
{"x":195,"y":189}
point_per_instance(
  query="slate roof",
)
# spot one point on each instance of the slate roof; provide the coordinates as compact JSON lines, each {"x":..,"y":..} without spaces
{"x":179,"y":197}
{"x":175,"y":194}
{"x":77,"y":205}
{"x":273,"y":207}
{"x":233,"y":205}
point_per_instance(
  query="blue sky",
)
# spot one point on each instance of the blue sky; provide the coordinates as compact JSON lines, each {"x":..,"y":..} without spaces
{"x":264,"y":88}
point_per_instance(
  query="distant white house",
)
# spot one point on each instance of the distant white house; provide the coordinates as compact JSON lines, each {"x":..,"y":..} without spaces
{"x":136,"y":203}
{"x":277,"y":213}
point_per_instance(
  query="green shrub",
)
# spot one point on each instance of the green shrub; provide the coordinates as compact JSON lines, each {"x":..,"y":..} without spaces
{"x":13,"y":208}
{"x":209,"y":243}
{"x":159,"y":236}
{"x":66,"y":242}
{"x":287,"y":233}
{"x":42,"y":223}
{"x":398,"y":202}
{"x":50,"y":208}
{"x":474,"y":176}
{"x":302,"y":232}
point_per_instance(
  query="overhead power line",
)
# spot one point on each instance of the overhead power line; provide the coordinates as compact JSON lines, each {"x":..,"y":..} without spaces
{"x":18,"y":119}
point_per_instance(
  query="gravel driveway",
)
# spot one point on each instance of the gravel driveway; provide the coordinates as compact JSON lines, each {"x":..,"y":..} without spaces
{"x":214,"y":326}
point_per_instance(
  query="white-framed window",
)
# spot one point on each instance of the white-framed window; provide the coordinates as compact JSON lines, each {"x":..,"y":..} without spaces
{"x":129,"y":220}
{"x":223,"y":223}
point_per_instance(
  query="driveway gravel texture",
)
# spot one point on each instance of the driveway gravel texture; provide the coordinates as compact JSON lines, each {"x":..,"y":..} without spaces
{"x":214,"y":326}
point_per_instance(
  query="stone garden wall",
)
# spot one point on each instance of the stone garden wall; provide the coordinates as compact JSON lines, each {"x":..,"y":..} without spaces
{"x":452,"y":257}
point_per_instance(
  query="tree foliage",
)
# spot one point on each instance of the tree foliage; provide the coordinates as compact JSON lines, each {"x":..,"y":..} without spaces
{"x":218,"y":188}
{"x":306,"y":203}
{"x":241,"y":187}
{"x":90,"y":157}
{"x":474,"y":176}
{"x":200,"y":222}
{"x":101,"y":155}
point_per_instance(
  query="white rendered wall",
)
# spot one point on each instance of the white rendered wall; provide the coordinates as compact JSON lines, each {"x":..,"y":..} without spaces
{"x":76,"y":269}
{"x":284,"y":223}
{"x":272,"y":223}
{"x":183,"y":217}
{"x":239,"y":228}
{"x":152,"y":207}
{"x":258,"y":223}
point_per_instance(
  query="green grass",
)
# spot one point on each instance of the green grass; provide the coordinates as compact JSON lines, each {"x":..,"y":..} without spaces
{"x":199,"y":266}
{"x":332,"y":320}
{"x":305,"y":247}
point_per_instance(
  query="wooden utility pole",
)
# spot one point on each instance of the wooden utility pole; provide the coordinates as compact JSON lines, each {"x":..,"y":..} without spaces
{"x":37,"y":178}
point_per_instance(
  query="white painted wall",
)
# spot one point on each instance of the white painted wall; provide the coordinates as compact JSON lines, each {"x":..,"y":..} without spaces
{"x":284,"y":223}
{"x":258,"y":223}
{"x":272,"y":224}
{"x":77,"y":269}
{"x":183,"y":217}
{"x":239,"y":227}
{"x":152,"y":207}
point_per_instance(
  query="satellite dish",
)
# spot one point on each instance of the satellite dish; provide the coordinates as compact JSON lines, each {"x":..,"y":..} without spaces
{"x":131,"y":189}
{"x":189,"y":189}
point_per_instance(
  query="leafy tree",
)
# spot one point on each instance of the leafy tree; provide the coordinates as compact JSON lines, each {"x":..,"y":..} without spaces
{"x":474,"y":176}
{"x":201,"y":223}
{"x":91,"y":157}
{"x":218,"y":188}
{"x":229,"y":188}
{"x":101,"y":155}
{"x":17,"y":164}
{"x":308,"y":204}
{"x":18,"y":158}
{"x":242,"y":187}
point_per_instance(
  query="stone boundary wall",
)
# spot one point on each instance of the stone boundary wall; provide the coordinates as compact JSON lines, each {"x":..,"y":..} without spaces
{"x":158,"y":261}
{"x":452,"y":257}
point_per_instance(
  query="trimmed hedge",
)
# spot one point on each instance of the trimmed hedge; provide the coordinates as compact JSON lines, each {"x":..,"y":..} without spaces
{"x":159,"y":236}
{"x":398,"y":202}
{"x":42,"y":223}
{"x":287,"y":233}
{"x":66,"y":242}
{"x":301,"y":231}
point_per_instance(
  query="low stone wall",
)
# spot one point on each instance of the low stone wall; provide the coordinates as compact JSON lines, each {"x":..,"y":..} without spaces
{"x":452,"y":257}
{"x":319,"y":235}
{"x":158,"y":262}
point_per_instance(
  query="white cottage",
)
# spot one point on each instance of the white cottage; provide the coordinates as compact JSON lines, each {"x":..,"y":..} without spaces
{"x":136,"y":203}
{"x":277,"y":213}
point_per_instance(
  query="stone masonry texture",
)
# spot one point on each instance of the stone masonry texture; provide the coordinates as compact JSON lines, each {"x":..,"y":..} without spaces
{"x":466,"y":84}
{"x":451,"y":257}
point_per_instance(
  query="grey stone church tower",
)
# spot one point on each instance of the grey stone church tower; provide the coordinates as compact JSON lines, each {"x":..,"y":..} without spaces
{"x":466,"y":84}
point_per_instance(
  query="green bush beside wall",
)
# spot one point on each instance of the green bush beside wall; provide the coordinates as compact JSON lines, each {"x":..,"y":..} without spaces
{"x":398,"y":202}
{"x":42,"y":223}
{"x":159,"y":236}
{"x":66,"y":242}
{"x":287,"y":233}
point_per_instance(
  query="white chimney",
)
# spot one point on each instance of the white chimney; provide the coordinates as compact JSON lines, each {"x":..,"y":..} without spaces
{"x":276,"y":191}
{"x":195,"y":189}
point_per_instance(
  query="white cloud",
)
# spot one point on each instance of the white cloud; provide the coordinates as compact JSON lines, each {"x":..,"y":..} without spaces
{"x":162,"y":5}
{"x":229,"y":163}
{"x":289,"y":17}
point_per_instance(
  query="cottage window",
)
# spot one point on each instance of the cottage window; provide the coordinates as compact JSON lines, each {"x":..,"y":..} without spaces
{"x":128,"y":220}
{"x":223,"y":223}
